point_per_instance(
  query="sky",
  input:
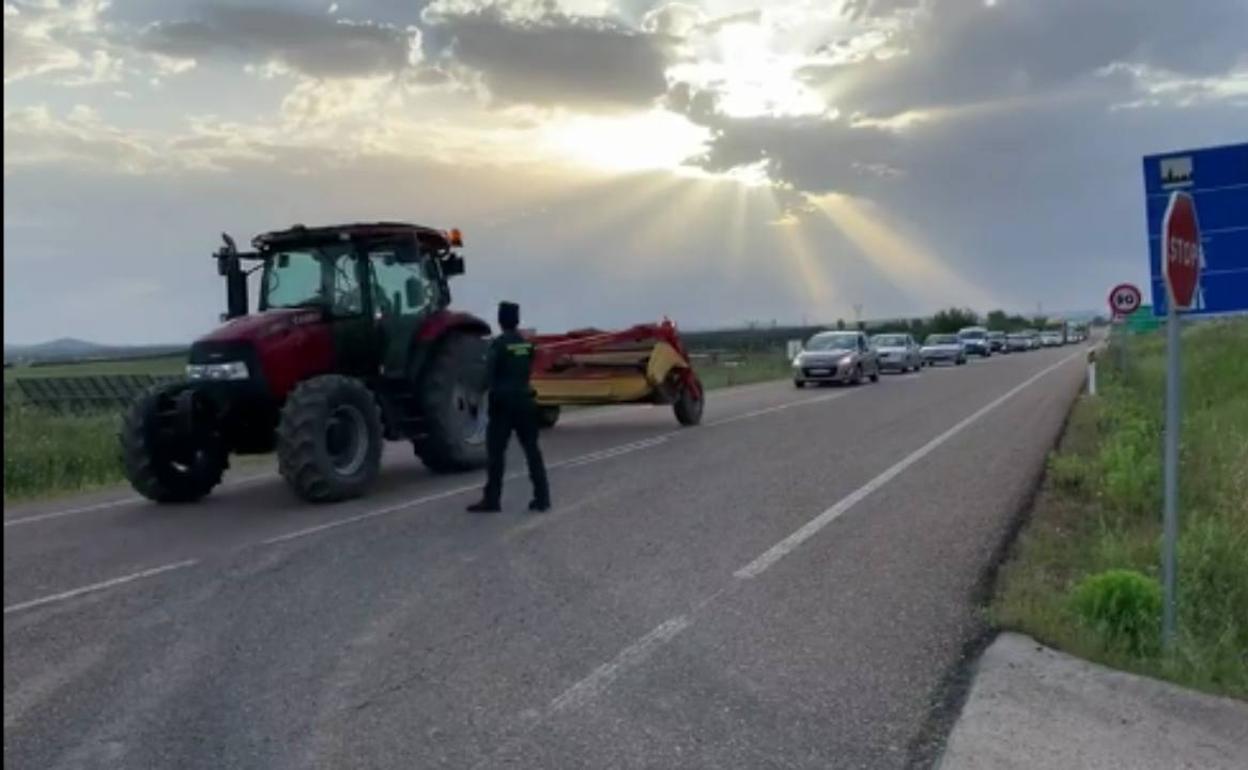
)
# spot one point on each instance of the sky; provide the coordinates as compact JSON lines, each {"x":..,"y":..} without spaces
{"x":609,"y":162}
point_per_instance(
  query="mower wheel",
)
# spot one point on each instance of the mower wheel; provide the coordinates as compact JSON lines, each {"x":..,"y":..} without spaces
{"x":329,"y":439}
{"x":547,"y":416}
{"x":156,"y":466}
{"x":688,"y":407}
{"x":455,"y":406}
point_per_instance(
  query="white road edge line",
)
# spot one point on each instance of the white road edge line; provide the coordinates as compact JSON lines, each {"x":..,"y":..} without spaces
{"x":630,"y":657}
{"x":117,"y":503}
{"x":98,"y":586}
{"x":812,"y":527}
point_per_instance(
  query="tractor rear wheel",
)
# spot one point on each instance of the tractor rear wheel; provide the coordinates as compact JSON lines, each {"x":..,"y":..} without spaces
{"x":159,"y":466}
{"x":547,"y":416}
{"x":329,"y":439}
{"x":454,"y":406}
{"x":688,"y":405}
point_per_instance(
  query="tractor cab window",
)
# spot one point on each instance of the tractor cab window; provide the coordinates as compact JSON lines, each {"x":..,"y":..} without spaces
{"x":400,"y":286}
{"x":314,"y":277}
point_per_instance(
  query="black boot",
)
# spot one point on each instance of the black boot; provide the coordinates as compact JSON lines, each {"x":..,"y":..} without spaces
{"x":484,"y":506}
{"x":539,"y":506}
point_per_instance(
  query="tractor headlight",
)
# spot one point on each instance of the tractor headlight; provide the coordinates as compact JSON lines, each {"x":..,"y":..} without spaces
{"x":227,"y":370}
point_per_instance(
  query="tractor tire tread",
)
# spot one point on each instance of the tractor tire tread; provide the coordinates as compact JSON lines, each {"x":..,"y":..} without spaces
{"x":435,"y":449}
{"x":139,"y":462}
{"x":300,"y":433}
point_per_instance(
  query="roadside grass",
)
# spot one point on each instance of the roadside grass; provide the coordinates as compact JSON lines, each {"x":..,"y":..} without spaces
{"x":47,"y":455}
{"x":1099,"y":509}
{"x":751,"y":368}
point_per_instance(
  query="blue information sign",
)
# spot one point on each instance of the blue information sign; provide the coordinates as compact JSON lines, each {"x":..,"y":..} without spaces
{"x":1217,"y":178}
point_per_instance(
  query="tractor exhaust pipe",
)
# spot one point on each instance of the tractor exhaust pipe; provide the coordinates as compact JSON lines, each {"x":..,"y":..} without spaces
{"x":230,"y":266}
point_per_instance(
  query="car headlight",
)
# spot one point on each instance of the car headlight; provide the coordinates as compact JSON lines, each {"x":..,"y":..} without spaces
{"x":846,"y":360}
{"x":226,"y":370}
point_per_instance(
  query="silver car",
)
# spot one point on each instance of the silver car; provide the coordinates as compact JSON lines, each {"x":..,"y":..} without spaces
{"x":1051,"y":339}
{"x":845,"y":357}
{"x":897,"y":352}
{"x":943,"y":348}
{"x":1017,"y":343}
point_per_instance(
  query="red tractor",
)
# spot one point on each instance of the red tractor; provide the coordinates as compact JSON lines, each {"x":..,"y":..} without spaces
{"x":353,"y":343}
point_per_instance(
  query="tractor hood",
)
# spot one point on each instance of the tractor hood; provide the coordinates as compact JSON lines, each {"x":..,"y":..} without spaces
{"x":280,"y":347}
{"x":258,"y":326}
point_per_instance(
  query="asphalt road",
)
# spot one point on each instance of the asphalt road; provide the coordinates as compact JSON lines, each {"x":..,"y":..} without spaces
{"x":787,"y":585}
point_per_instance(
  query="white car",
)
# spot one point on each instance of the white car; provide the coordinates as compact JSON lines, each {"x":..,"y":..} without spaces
{"x":1051,"y":339}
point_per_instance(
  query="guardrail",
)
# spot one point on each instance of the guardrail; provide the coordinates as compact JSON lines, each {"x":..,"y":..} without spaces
{"x":86,"y":393}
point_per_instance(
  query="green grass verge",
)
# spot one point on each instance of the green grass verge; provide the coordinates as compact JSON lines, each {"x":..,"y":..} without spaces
{"x":1099,"y":509}
{"x":45,"y":453}
{"x":758,"y":367}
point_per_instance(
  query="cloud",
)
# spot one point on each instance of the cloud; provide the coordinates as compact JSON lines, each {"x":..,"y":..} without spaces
{"x":51,"y":37}
{"x":35,"y":136}
{"x":958,"y":53}
{"x":540,"y":55}
{"x":315,"y":44}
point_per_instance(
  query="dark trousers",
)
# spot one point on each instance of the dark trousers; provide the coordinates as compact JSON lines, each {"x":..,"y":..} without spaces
{"x":521,"y":417}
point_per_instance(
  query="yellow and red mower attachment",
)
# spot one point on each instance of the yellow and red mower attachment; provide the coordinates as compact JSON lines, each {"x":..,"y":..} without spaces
{"x":646,"y":364}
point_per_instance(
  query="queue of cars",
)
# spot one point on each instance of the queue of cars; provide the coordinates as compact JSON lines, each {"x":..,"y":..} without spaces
{"x":850,"y":357}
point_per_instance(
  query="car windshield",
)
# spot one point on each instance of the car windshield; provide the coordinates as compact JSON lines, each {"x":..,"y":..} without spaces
{"x":833,"y":342}
{"x":889,"y":341}
{"x":972,"y":334}
{"x":942,"y":339}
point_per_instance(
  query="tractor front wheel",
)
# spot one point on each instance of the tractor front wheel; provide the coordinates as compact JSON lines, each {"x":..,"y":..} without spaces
{"x":688,"y":405}
{"x":454,"y":406}
{"x":159,"y":465}
{"x":329,"y":439}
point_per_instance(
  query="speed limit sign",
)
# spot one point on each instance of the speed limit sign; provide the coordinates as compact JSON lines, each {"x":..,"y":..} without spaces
{"x":1124,"y":299}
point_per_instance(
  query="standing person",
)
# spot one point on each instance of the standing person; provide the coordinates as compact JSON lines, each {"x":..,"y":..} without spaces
{"x":512,"y":408}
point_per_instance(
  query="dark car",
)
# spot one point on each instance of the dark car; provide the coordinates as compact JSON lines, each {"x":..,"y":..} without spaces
{"x":975,"y":340}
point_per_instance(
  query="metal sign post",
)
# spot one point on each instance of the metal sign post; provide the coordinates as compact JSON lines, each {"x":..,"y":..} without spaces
{"x":1180,"y":250}
{"x":1124,"y":299}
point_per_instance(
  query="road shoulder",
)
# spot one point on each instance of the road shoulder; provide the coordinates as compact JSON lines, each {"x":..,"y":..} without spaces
{"x":1033,"y":707}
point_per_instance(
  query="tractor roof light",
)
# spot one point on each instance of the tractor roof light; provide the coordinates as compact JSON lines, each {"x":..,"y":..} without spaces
{"x":455,"y":237}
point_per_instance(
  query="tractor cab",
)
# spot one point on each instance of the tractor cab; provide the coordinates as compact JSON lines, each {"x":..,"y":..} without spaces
{"x":371,"y":285}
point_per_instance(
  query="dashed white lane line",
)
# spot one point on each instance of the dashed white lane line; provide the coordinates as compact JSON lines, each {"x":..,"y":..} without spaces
{"x":778,"y":408}
{"x":94,"y":587}
{"x":812,"y":527}
{"x":629,"y":658}
{"x":644,"y":648}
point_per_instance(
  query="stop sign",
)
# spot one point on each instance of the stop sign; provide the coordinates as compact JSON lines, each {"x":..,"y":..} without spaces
{"x":1180,"y":249}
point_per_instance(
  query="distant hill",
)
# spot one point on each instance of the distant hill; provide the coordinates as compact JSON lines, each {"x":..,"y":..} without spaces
{"x":68,"y":349}
{"x":65,"y":347}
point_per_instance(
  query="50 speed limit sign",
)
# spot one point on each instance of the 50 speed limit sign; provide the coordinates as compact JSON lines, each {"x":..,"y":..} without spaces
{"x":1124,"y":299}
